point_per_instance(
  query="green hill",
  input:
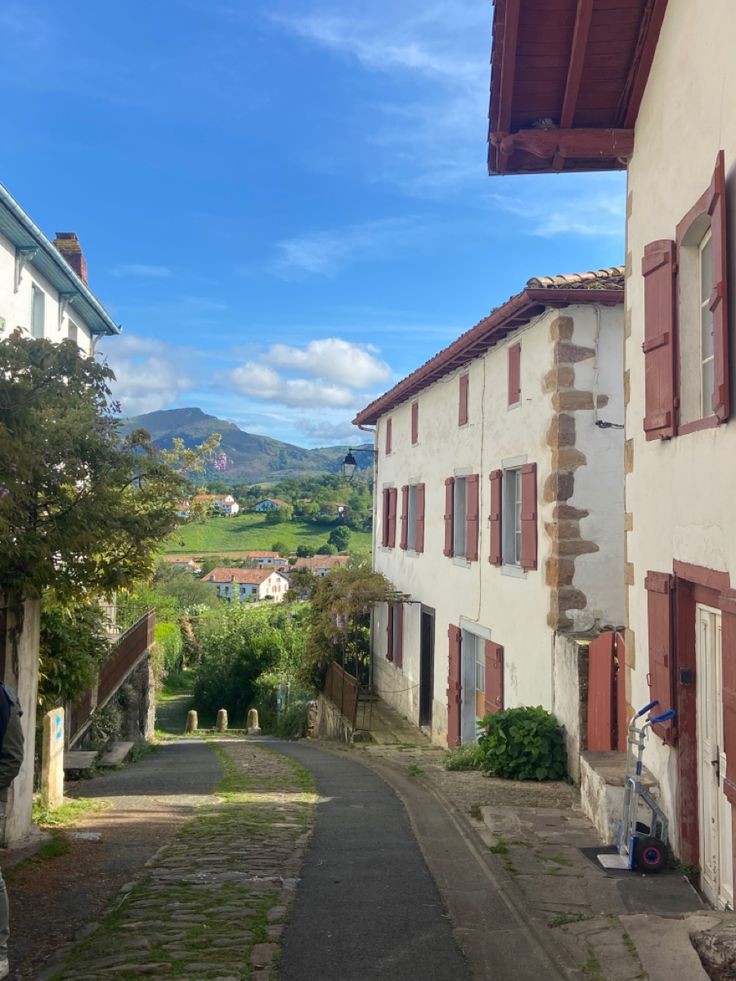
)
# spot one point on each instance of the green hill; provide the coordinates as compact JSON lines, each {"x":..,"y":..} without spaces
{"x":251,"y":459}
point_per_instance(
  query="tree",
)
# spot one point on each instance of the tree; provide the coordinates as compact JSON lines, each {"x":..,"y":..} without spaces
{"x":327,"y":549}
{"x":304,"y":551}
{"x":82,"y":507}
{"x":73,"y":645}
{"x":280,"y":547}
{"x":339,"y":537}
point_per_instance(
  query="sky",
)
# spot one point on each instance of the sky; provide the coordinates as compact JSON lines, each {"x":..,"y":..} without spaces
{"x":284,"y":203}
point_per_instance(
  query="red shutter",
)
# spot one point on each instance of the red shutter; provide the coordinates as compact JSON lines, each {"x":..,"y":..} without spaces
{"x":661,"y":674}
{"x":399,"y":647}
{"x":390,"y":633}
{"x":419,"y":531}
{"x":404,"y":516}
{"x":514,"y":374}
{"x":529,"y":516}
{"x":471,"y":518}
{"x":494,"y":677}
{"x":719,"y":294}
{"x":601,"y":694}
{"x":495,"y":557}
{"x":658,"y":269}
{"x":388,"y":436}
{"x":454,"y":687}
{"x":462,"y":410}
{"x":449,"y":515}
{"x":392,"y":499}
{"x":414,"y":422}
{"x":728,"y":644}
{"x":385,"y":522}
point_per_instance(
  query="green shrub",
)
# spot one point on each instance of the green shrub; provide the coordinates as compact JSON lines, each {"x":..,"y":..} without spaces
{"x":292,"y":723}
{"x":468,"y":757}
{"x":169,"y":639}
{"x":523,"y":744}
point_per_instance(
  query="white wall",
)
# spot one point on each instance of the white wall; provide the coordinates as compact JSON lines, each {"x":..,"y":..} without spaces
{"x":15,"y":308}
{"x":512,"y":605}
{"x":681,"y":491}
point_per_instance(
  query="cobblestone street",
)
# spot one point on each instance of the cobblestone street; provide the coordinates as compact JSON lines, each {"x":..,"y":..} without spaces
{"x":212,"y":905}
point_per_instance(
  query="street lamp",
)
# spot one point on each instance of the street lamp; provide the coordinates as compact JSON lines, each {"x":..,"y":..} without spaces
{"x":350,"y":465}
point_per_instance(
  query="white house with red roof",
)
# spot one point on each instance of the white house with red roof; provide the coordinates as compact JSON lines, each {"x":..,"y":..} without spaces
{"x":499,"y":509}
{"x":320,"y":565}
{"x":659,"y":105}
{"x":217,"y":503}
{"x":266,"y":559}
{"x":271,"y":504}
{"x":251,"y":585}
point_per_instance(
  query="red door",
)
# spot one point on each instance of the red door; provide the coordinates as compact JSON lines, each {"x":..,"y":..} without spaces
{"x":454,"y":688}
{"x":494,"y":677}
{"x":601,"y":699}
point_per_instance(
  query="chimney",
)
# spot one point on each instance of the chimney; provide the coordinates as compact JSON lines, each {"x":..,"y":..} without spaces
{"x":68,"y":245}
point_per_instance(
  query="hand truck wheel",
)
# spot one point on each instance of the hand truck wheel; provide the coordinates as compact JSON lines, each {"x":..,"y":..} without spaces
{"x":651,"y":854}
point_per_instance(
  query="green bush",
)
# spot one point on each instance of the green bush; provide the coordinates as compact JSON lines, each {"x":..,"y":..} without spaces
{"x":169,"y":639}
{"x":523,"y":744}
{"x":469,"y":757}
{"x":292,"y":723}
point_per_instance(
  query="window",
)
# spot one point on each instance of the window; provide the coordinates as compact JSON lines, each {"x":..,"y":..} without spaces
{"x":462,"y":408}
{"x":388,"y":437}
{"x":388,"y":539}
{"x":461,"y":517}
{"x":38,"y":303}
{"x":395,"y":634}
{"x":707,"y":383}
{"x":72,"y":332}
{"x":512,"y":517}
{"x":414,"y":423}
{"x":412,"y":517}
{"x":514,"y":393}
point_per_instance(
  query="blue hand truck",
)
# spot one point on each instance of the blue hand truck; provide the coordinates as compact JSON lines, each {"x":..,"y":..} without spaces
{"x":643,"y":831}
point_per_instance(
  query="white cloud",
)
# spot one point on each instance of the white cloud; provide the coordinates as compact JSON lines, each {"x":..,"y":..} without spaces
{"x":261,"y":382}
{"x":325,"y":432}
{"x":586,"y":206}
{"x":142,"y":270}
{"x":332,"y":358}
{"x":148,"y":373}
{"x":322,"y":253}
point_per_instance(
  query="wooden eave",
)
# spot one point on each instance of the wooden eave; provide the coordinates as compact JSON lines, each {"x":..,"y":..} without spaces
{"x":567,"y":80}
{"x":516,"y":312}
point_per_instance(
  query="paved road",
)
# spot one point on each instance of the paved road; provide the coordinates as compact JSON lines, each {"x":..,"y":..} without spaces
{"x":367,"y":907}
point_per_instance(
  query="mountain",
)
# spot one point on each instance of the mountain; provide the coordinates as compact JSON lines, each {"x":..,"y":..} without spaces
{"x":251,"y":459}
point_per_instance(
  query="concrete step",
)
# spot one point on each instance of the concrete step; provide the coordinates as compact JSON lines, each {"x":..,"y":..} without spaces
{"x":115,"y":754}
{"x":80,"y":760}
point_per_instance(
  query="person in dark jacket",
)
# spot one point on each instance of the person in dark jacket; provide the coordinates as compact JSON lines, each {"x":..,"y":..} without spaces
{"x":11,"y":758}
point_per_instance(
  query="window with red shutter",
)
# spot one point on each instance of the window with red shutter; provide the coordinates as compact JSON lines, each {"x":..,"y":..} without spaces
{"x":454,"y":687}
{"x":472,"y":517}
{"x":462,"y":409}
{"x":494,"y":677}
{"x":414,"y":423}
{"x":661,"y":669}
{"x":449,"y":515}
{"x":528,"y":558}
{"x":495,"y":557}
{"x":728,"y":642}
{"x":399,"y":635}
{"x":384,"y":516}
{"x":514,"y":393}
{"x":404,"y":516}
{"x":658,"y":269}
{"x":702,"y":268}
{"x":390,"y":633}
{"x":392,"y":500}
{"x":419,"y":531}
{"x":389,"y":427}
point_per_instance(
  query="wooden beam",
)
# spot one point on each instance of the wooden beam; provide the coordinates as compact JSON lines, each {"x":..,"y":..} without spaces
{"x":547,"y":143}
{"x":646,"y":45}
{"x":583,"y":17}
{"x":508,"y":31}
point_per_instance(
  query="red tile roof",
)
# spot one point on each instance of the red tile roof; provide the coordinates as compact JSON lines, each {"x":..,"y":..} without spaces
{"x":224,"y":574}
{"x":321,"y":562}
{"x":604,"y":286}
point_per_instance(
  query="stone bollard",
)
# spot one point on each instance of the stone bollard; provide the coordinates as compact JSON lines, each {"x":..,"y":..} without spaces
{"x":251,"y":725}
{"x":192,"y":721}
{"x":52,"y":758}
{"x":221,"y":724}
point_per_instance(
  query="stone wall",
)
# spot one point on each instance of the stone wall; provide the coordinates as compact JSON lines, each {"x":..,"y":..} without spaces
{"x":570,"y":696}
{"x":330,"y":723}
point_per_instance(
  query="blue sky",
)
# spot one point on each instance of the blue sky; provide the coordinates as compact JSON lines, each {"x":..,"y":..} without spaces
{"x":284,"y":203}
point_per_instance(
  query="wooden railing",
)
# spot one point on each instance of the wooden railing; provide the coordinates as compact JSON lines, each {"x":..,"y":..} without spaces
{"x":125,"y":655}
{"x":342,"y":690}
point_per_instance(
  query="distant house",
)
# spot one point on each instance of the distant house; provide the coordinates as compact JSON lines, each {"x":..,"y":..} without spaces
{"x":266,"y":559}
{"x":321,"y":565}
{"x":219,"y":503}
{"x":182,"y":562}
{"x":184,"y":509}
{"x":271,"y":504}
{"x":247,"y":584}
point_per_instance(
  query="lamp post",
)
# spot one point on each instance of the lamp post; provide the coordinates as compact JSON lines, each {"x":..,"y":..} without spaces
{"x":350,"y":464}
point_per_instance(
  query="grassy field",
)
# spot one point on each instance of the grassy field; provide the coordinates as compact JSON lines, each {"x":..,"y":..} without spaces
{"x":227,"y":536}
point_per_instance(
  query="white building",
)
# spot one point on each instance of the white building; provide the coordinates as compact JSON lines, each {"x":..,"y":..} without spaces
{"x":668,"y":117}
{"x":499,"y":500}
{"x":216,"y":503}
{"x":248,"y":584}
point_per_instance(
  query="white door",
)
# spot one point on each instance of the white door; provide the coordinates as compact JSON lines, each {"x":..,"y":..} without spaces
{"x":716,"y":850}
{"x":473,"y":649}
